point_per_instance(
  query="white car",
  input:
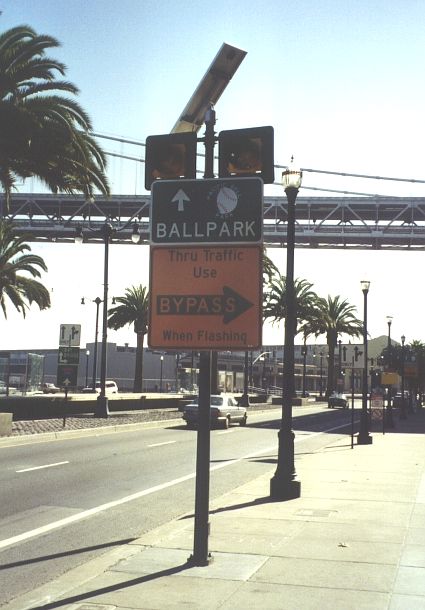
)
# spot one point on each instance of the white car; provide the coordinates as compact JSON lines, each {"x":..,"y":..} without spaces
{"x":224,"y":410}
{"x":110,"y":388}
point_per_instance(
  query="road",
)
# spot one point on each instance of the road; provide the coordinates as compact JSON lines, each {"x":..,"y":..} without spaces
{"x":64,"y":502}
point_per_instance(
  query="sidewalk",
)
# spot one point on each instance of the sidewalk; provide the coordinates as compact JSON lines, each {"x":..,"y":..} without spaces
{"x":354,"y":540}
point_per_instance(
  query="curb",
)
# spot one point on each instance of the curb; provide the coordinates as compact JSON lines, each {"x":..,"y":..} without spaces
{"x":60,"y":435}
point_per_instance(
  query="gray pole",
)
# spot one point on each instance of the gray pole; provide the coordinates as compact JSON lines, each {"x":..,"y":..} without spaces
{"x":101,"y":409}
{"x":200,"y":555}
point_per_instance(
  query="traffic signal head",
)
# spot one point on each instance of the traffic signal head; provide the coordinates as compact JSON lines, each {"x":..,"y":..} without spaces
{"x":170,"y":157}
{"x":246,"y":152}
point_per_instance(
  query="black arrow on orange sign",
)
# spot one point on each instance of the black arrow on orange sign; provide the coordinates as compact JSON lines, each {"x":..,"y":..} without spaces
{"x":229,"y":304}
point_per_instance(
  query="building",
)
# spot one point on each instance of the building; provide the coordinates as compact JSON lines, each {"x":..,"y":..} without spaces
{"x":171,"y":371}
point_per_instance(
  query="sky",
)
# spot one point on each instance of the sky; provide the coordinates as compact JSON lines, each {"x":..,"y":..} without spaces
{"x":340,"y":81}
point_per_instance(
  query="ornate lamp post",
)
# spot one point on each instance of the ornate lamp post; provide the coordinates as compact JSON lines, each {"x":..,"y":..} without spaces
{"x":403,"y":414}
{"x":389,"y":418}
{"x":364,"y":437}
{"x":283,"y":485}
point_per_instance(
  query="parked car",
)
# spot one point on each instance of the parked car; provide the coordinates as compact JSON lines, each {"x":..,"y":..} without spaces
{"x":50,"y":388}
{"x":337,"y":400}
{"x":110,"y":388}
{"x":224,"y":410}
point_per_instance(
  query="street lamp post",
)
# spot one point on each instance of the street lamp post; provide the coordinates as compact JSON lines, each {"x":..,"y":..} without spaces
{"x":244,"y":401}
{"x":97,"y":302}
{"x":87,"y":366}
{"x":403,"y":414}
{"x":283,"y":485}
{"x":160,"y":378}
{"x":389,"y":418}
{"x":364,"y":438}
{"x":304,"y":352}
{"x":321,"y":374}
{"x":339,"y":375}
{"x":106,"y":232}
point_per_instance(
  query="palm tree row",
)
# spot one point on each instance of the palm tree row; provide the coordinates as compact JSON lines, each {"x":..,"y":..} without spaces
{"x":314,"y":315}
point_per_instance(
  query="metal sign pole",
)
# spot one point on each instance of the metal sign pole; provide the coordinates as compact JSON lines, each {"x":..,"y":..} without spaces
{"x":201,"y":556}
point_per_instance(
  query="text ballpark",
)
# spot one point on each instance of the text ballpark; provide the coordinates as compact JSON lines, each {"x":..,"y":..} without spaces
{"x":239,"y":230}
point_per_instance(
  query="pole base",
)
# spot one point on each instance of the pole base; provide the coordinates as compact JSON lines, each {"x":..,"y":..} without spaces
{"x":101,"y":409}
{"x":282,"y":489}
{"x":200,"y":562}
{"x":364,"y":439}
{"x":244,"y":400}
{"x":389,"y":422}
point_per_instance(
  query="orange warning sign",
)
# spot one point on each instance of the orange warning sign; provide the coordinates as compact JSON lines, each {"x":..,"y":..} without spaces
{"x":206,"y":298}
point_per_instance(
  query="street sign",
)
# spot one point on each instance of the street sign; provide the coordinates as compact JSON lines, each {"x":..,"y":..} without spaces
{"x":68,"y":355}
{"x":377,"y":406}
{"x":207,"y":211}
{"x":206,"y":298}
{"x":389,"y":378}
{"x":67,"y":376}
{"x":70,"y":334}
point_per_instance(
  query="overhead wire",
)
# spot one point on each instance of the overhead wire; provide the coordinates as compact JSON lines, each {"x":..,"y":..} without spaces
{"x":304,"y":169}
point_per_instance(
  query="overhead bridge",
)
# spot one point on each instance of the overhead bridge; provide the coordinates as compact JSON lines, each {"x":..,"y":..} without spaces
{"x":387,"y":223}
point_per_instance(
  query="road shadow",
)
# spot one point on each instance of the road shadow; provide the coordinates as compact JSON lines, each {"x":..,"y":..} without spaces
{"x":86,"y":549}
{"x":215,"y":511}
{"x":110,"y":589}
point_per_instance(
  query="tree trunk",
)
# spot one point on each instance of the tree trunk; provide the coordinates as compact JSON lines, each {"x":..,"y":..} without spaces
{"x":138,"y":373}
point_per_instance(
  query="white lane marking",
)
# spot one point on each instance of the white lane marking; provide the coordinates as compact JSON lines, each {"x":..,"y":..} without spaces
{"x":161,"y":444}
{"x":40,"y":467}
{"x":140,"y":494}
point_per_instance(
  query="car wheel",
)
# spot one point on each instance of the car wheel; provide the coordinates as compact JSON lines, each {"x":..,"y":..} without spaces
{"x":243,"y":421}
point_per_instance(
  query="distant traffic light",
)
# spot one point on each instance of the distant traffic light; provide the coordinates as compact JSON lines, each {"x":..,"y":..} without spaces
{"x":170,"y":157}
{"x":247,"y":152}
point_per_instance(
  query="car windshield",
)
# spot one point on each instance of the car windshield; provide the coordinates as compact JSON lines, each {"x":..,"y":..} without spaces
{"x":216,"y":401}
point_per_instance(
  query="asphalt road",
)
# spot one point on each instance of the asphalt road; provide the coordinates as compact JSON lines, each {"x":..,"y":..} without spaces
{"x":63,"y":502}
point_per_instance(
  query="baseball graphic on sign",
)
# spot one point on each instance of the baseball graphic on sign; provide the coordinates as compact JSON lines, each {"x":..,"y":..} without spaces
{"x":227,"y":200}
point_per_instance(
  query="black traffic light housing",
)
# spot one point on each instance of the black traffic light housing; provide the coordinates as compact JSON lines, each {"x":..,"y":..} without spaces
{"x":246,"y":152}
{"x":170,"y":157}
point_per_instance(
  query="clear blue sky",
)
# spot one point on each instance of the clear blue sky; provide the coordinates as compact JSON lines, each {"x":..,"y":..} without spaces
{"x":340,"y":82}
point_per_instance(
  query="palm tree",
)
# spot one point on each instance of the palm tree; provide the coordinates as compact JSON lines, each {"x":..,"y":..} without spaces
{"x":133,"y":309}
{"x":417,"y":348}
{"x":43,"y":133}
{"x":20,"y":290}
{"x":274,"y":306}
{"x":269,"y":268}
{"x":333,"y":317}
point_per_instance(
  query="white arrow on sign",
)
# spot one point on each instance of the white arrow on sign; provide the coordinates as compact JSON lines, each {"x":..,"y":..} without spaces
{"x":180,"y":197}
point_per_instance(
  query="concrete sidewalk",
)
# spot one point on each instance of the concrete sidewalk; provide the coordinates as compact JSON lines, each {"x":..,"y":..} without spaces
{"x":355,"y":539}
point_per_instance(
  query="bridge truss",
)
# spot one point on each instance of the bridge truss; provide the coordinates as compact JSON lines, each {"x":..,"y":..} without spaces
{"x":386,"y":223}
